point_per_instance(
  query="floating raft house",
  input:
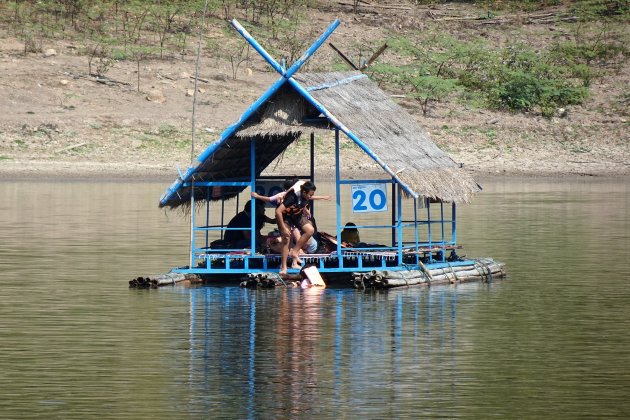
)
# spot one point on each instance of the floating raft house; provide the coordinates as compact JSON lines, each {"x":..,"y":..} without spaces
{"x":421,"y":244}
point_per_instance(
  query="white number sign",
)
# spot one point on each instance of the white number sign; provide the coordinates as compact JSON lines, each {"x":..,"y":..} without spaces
{"x":368,"y":198}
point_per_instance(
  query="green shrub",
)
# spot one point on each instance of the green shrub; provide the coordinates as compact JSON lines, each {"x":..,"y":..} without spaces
{"x":588,"y":10}
{"x":526,"y":92}
{"x":119,"y":54}
{"x":589,"y":52}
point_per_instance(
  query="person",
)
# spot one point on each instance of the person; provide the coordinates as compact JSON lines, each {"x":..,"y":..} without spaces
{"x":242,"y":238}
{"x":291,"y":213}
{"x":274,"y":242}
{"x":350,"y":234}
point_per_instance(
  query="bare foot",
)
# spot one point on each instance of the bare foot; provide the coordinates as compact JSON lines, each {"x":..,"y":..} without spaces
{"x":296,"y":261}
{"x":283,"y":271}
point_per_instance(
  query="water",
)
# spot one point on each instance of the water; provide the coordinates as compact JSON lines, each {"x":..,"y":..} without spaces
{"x":551,"y":341}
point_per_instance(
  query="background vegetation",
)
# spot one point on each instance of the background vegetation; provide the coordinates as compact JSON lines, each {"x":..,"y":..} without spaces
{"x":424,"y":65}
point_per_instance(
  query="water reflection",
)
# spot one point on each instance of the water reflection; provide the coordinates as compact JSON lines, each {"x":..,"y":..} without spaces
{"x":549,"y":342}
{"x":293,"y":353}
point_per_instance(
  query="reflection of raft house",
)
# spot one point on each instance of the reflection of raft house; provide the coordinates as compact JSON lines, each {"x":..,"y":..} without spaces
{"x":421,"y":243}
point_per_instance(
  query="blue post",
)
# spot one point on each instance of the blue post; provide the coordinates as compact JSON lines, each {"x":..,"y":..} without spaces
{"x":399,"y":226}
{"x":394,"y":204}
{"x":207,"y":213}
{"x":223,"y":213}
{"x":252,"y":199}
{"x":442,"y":225}
{"x":338,"y":197}
{"x":453,"y":225}
{"x":415,"y":226}
{"x":192,"y":226}
{"x":429,"y":228}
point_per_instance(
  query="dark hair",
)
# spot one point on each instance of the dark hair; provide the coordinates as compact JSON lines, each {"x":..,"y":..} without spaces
{"x":260,"y":206}
{"x":307,"y":187}
{"x":350,"y":227}
{"x":289,"y":182}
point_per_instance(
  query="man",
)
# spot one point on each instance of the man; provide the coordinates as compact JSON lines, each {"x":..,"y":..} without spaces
{"x":243,"y":220}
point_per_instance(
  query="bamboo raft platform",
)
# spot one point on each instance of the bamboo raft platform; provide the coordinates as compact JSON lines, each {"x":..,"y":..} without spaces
{"x":481,"y":270}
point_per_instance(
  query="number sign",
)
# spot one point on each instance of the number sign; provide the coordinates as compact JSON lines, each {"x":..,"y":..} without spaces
{"x":368,"y":198}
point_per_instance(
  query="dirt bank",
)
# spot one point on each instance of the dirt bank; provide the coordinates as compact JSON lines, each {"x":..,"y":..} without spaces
{"x":57,"y":121}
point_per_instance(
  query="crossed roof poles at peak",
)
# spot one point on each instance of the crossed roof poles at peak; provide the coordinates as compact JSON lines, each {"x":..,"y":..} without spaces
{"x":286,"y":74}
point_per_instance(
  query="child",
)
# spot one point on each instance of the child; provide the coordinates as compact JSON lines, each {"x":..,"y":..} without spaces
{"x":291,"y":212}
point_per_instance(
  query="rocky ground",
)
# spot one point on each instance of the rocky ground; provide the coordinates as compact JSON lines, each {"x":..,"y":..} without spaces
{"x":58,"y":121}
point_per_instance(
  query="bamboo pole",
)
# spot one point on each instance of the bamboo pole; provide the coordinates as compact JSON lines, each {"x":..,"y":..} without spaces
{"x":160,"y":280}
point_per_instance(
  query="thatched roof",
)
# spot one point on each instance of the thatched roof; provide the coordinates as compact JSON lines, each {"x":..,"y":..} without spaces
{"x":348,"y":101}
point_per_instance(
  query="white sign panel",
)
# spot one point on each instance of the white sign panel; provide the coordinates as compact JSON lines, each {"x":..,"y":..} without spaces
{"x":368,"y":198}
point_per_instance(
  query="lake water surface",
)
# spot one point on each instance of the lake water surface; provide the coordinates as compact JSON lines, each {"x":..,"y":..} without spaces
{"x":550,"y":341}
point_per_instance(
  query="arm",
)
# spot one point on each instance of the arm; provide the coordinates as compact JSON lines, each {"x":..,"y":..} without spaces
{"x":321,"y":197}
{"x":261,"y":197}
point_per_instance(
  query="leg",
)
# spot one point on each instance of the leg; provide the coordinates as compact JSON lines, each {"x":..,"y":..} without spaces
{"x":284,"y":254}
{"x":295,"y":238}
{"x":285,"y":235}
{"x":307,"y":232}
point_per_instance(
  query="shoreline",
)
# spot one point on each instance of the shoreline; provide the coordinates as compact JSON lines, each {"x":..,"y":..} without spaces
{"x":33,"y":170}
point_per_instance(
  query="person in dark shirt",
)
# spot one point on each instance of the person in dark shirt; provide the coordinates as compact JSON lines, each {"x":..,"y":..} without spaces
{"x":350,"y":234}
{"x":291,"y":213}
{"x":242,"y":238}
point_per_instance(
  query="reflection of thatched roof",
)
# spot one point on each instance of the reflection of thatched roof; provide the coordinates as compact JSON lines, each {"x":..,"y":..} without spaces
{"x":352,"y":103}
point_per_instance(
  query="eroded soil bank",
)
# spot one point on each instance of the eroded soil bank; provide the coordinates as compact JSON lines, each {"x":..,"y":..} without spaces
{"x":57,"y":121}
